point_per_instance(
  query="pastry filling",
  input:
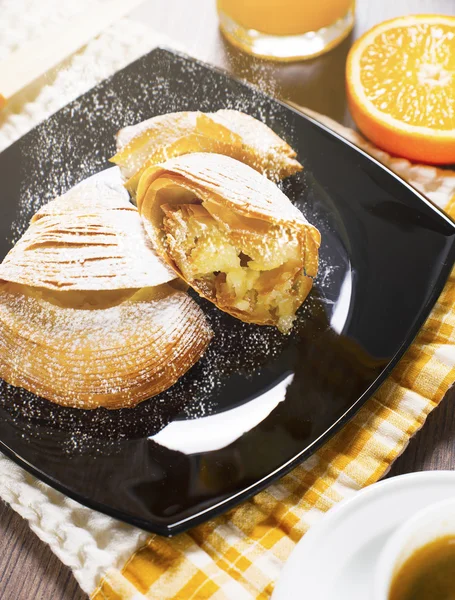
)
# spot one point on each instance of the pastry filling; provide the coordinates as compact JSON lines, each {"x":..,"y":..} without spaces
{"x":247,"y":265}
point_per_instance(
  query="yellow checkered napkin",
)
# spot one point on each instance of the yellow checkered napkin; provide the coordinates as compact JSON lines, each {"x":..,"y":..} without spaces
{"x":239,"y":555}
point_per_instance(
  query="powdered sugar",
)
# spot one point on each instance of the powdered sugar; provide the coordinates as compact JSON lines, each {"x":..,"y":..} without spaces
{"x":76,"y":144}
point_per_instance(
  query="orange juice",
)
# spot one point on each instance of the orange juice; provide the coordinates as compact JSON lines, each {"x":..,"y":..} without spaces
{"x":257,"y":25}
{"x":285,"y":17}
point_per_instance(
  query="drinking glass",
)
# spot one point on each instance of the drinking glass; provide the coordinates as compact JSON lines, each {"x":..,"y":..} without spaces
{"x":286,"y":30}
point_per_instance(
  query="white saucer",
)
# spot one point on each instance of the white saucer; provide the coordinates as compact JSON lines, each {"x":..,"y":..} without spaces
{"x":336,"y":559}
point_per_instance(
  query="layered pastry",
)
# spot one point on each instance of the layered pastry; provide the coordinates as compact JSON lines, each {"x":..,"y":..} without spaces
{"x":232,"y":235}
{"x":89,"y":315}
{"x":228,"y":132}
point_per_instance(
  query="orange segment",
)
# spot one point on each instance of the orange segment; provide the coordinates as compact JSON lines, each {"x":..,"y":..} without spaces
{"x":400,"y":80}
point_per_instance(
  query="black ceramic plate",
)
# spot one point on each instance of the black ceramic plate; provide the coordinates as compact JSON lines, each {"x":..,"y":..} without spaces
{"x":259,"y":402}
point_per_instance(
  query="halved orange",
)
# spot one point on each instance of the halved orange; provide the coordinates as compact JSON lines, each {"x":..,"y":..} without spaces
{"x":400,"y":80}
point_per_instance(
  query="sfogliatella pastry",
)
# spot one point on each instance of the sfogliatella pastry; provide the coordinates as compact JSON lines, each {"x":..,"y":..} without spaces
{"x":228,"y":132}
{"x":89,"y":315}
{"x":232,"y":235}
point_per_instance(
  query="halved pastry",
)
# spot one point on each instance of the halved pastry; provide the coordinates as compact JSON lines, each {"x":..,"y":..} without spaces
{"x":232,"y":235}
{"x":80,"y":323}
{"x":228,"y":132}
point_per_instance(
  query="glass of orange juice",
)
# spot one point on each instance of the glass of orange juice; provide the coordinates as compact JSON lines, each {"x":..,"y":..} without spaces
{"x":286,"y":29}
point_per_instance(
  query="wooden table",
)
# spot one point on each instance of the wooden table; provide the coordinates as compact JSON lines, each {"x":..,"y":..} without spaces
{"x":28,"y":569}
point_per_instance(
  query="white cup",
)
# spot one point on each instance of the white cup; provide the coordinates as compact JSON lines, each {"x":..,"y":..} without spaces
{"x":431,"y":523}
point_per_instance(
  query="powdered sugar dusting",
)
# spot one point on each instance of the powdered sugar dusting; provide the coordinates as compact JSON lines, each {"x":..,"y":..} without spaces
{"x":76,"y":144}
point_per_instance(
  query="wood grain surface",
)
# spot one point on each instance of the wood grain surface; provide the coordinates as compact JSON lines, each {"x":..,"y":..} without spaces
{"x":28,"y":569}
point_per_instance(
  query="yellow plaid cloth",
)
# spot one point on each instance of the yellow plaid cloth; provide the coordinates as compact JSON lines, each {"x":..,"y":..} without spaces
{"x":239,"y":555}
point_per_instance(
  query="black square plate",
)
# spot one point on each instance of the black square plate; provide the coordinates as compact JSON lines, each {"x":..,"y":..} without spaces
{"x":258,"y":402}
